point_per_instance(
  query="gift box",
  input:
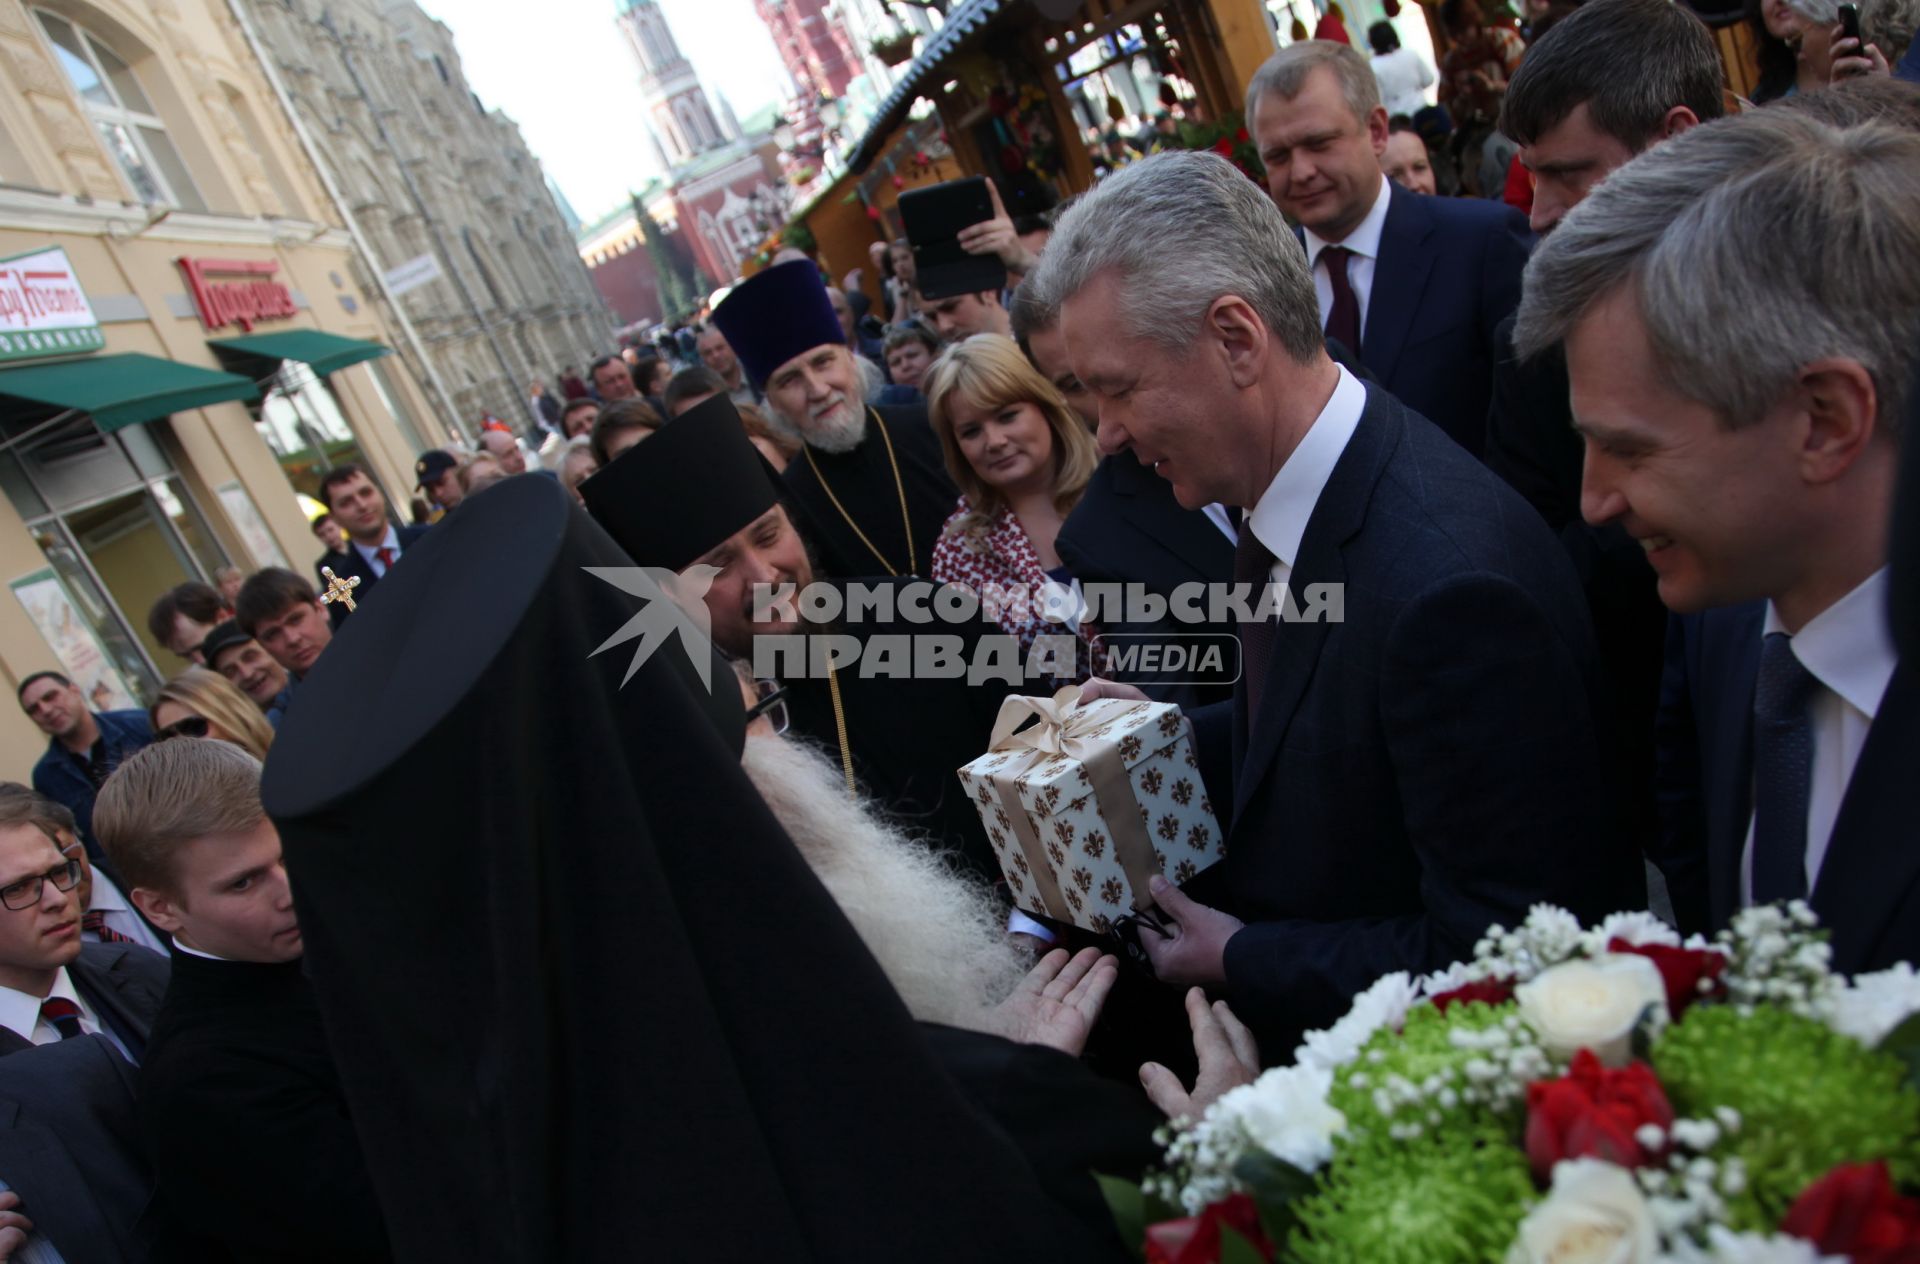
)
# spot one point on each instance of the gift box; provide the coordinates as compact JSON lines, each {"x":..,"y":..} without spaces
{"x":1088,"y":803}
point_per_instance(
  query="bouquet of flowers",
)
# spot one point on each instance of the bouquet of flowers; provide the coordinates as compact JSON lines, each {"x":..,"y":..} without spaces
{"x":1611,"y":1095}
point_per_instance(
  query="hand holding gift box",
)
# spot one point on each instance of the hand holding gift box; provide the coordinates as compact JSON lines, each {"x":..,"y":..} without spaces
{"x":1086,"y":806}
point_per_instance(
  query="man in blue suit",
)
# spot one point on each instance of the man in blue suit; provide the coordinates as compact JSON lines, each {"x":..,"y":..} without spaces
{"x":1419,"y":762}
{"x":1743,"y":424}
{"x":1418,"y":284}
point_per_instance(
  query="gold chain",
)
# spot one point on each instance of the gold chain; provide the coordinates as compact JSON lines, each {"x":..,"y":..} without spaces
{"x":840,"y":730}
{"x":906,"y":523}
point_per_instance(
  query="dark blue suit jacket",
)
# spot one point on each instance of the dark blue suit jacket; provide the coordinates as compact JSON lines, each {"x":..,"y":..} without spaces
{"x":1868,"y":890}
{"x":1429,"y":765}
{"x":353,"y":564}
{"x":1448,"y":274}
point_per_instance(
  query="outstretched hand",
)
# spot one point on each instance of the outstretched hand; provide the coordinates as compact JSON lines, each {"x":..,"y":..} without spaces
{"x":1227,"y":1055}
{"x":996,"y":236}
{"x":1059,"y":1001}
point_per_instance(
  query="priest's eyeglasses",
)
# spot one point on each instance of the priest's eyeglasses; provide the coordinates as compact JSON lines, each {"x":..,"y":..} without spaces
{"x":772,"y":704}
{"x":26,"y":893}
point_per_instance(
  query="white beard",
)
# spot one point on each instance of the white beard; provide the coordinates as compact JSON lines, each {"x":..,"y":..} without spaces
{"x":841,"y":430}
{"x":939,"y":935}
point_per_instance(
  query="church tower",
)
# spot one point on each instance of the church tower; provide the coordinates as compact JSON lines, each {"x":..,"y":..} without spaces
{"x":679,"y":118}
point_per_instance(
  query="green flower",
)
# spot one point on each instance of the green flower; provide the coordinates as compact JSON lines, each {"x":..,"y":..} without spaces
{"x":1468,"y":1065}
{"x":1808,"y":1098}
{"x":1449,"y":1196}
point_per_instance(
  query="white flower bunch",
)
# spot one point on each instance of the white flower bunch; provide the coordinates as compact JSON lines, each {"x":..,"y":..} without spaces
{"x":1508,"y":1057}
{"x":1689,"y":1194}
{"x":1775,"y":956}
{"x":1875,"y":1004}
{"x":1723,"y":1246}
{"x":1285,"y":1113}
{"x":1385,"y":1004}
{"x":1548,"y":937}
{"x":1639,"y":929}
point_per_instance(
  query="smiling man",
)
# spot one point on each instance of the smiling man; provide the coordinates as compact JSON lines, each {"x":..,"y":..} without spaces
{"x":870,"y":481}
{"x":242,"y":1111}
{"x":374,"y":543}
{"x":1427,"y":764}
{"x":241,"y":659}
{"x":1742,"y":424}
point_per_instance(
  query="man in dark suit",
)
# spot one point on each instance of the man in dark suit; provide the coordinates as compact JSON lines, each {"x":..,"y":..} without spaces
{"x":1742,"y":424}
{"x":1418,"y":284}
{"x":374,"y":542}
{"x":239,"y":1101}
{"x":70,"y":1151}
{"x":1413,"y":749}
{"x":83,"y":745}
{"x":52,"y":985}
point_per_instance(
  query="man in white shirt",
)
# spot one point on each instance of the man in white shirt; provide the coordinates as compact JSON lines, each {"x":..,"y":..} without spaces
{"x":52,"y":987}
{"x":1415,"y":286}
{"x":1742,"y":423}
{"x":1411,"y":754}
{"x":374,"y":542}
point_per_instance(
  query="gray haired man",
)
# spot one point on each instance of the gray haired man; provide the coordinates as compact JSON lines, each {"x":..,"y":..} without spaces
{"x":1741,"y":311}
{"x":1412,"y":770}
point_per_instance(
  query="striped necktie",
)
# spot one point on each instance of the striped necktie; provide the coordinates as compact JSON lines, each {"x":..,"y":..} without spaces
{"x":63,"y":1014}
{"x":95,"y":923}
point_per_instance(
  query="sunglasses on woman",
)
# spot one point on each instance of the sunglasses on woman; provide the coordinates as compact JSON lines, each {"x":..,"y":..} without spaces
{"x":191,"y":726}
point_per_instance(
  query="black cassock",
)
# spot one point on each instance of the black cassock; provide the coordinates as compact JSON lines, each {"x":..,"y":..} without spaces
{"x":587,"y":1001}
{"x":863,"y":482}
{"x":244,"y":1117}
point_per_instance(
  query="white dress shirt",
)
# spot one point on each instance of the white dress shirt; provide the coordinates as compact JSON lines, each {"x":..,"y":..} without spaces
{"x":1217,"y":515}
{"x":371,"y":556}
{"x":1364,"y":242}
{"x":1279,"y":520}
{"x":1403,"y":80}
{"x":20,"y":1012}
{"x":119,"y":916}
{"x":181,"y":945}
{"x":1849,"y":649}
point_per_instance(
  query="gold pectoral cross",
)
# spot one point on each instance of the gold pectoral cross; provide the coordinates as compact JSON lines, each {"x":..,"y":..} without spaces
{"x":340,"y":590}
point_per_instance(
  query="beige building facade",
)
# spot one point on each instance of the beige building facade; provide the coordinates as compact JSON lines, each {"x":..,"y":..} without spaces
{"x":187,"y":339}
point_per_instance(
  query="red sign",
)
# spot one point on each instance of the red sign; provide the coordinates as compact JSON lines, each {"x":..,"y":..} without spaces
{"x":239,"y":303}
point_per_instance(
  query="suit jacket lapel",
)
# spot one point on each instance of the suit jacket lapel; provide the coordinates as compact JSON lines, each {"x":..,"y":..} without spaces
{"x":1728,"y":774}
{"x":1399,"y":279}
{"x":1337,"y":517}
{"x":1870,"y":867}
{"x":105,"y":987}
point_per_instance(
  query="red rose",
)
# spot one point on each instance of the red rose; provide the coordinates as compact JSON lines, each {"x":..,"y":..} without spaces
{"x":1223,"y":147}
{"x":1241,"y":136}
{"x":1196,"y":1240}
{"x":1594,"y":1112}
{"x":1853,"y":1211}
{"x":1489,"y":991}
{"x":1681,"y":969}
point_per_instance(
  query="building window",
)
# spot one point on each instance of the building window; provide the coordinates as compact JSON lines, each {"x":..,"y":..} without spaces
{"x":301,"y":421}
{"x":120,"y":111}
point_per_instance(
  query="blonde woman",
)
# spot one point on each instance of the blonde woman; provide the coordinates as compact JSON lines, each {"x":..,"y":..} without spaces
{"x":200,"y":703}
{"x":1021,"y":460}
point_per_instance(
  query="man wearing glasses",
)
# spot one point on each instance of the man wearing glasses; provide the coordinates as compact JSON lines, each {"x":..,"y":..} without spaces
{"x":52,"y":986}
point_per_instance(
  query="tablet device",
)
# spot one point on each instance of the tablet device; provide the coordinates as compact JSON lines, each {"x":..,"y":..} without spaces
{"x":934,"y":217}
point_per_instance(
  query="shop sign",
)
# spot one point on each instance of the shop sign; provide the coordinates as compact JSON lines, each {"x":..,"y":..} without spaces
{"x":241,"y":303}
{"x":43,"y":311}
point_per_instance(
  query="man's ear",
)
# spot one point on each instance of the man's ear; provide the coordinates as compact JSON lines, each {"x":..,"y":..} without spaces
{"x":1240,"y":336}
{"x":1677,"y":120}
{"x":1842,"y":409}
{"x":159,"y":908}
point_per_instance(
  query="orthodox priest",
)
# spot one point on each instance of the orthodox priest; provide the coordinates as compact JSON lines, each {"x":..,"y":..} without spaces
{"x":870,"y":481}
{"x":698,"y":494}
{"x":602,"y":1009}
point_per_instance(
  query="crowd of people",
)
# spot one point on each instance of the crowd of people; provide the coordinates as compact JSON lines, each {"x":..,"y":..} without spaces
{"x":1607,"y":487}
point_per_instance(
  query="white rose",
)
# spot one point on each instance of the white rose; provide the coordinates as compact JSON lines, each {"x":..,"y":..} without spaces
{"x":1594,"y":1214}
{"x":1593,"y":1004}
{"x":1285,"y":1113}
{"x":1875,"y":1004}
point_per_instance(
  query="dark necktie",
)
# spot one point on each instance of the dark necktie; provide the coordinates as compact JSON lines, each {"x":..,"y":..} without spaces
{"x":386,"y":555}
{"x":1782,"y":771}
{"x":63,"y":1014}
{"x":1343,"y":322}
{"x":96,"y":922}
{"x":1252,"y":564}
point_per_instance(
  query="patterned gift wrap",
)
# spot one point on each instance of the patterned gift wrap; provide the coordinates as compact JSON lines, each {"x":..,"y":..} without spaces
{"x":1087,"y":805}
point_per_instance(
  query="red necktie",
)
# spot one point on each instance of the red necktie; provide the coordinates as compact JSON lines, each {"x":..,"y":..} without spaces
{"x":95,"y":923}
{"x":63,"y":1014}
{"x":1343,"y":322}
{"x":386,"y":555}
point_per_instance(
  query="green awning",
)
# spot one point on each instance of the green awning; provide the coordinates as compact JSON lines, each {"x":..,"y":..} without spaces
{"x":258,"y":355}
{"x":118,"y":390}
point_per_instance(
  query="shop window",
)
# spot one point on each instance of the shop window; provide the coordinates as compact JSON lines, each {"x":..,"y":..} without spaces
{"x":302,"y":423}
{"x":121,"y":112}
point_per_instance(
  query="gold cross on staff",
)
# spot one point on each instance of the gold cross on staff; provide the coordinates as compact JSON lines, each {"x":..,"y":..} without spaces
{"x":338,"y":589}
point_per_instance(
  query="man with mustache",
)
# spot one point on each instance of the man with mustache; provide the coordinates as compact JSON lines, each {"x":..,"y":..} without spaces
{"x":870,"y":480}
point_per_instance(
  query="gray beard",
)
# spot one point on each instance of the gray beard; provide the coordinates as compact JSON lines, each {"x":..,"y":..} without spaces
{"x":840,"y":431}
{"x":938,"y":935}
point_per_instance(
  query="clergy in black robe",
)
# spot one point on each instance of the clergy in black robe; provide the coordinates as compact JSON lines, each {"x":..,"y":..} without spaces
{"x":698,"y":490}
{"x":611,"y":1015}
{"x":870,"y":482}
